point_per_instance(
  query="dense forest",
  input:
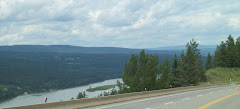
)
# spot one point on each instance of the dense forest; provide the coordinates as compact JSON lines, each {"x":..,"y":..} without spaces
{"x":43,"y":68}
{"x":227,"y":53}
{"x":145,"y":72}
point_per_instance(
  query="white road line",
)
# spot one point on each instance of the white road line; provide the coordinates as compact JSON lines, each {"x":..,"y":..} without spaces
{"x":210,"y":93}
{"x":148,"y":108}
{"x":185,"y":98}
{"x":199,"y":95}
{"x":169,"y":103}
{"x":164,"y":96}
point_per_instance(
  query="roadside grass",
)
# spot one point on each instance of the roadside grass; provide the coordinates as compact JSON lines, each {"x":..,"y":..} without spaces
{"x":223,"y":75}
{"x":105,"y":87}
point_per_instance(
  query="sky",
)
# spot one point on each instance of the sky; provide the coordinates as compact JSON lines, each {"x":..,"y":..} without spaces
{"x":118,"y":23}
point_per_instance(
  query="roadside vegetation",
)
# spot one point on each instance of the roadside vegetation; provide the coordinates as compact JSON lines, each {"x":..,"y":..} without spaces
{"x":81,"y":95}
{"x":226,"y":62}
{"x":143,"y":72}
{"x":227,"y":54}
{"x":222,"y":75}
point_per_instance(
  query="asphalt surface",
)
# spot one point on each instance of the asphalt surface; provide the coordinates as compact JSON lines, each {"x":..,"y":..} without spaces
{"x":186,"y":100}
{"x":232,"y":102}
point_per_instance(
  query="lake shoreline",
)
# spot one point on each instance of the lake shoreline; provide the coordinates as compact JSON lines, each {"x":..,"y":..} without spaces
{"x":56,"y":95}
{"x":46,"y":91}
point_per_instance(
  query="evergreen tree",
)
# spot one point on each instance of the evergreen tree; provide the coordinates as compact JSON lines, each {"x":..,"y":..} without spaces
{"x":81,"y":95}
{"x":193,"y":62}
{"x":129,"y":73}
{"x":208,"y":63}
{"x":227,"y":53}
{"x":105,"y":93}
{"x":181,"y":79}
{"x":139,"y":73}
{"x":216,"y":57}
{"x":151,"y":72}
{"x":174,"y":66}
{"x":113,"y":92}
{"x":221,"y":56}
{"x":174,"y":73}
{"x":182,"y":55}
{"x":122,"y":87}
{"x":231,"y":54}
{"x":190,"y":66}
{"x":238,"y":52}
{"x":164,"y":71}
{"x":141,"y":70}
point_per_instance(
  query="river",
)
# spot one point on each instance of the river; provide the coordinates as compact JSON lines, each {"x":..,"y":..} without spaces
{"x":64,"y":94}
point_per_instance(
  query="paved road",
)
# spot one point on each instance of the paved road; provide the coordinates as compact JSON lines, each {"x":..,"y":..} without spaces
{"x":187,"y":100}
{"x":232,"y":102}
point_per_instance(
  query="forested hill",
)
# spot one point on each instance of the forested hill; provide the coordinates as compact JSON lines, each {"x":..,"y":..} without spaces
{"x":78,"y":49}
{"x":205,"y":49}
{"x":38,"y":68}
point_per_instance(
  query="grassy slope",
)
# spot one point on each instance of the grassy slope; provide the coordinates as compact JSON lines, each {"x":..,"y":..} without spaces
{"x":221,"y":75}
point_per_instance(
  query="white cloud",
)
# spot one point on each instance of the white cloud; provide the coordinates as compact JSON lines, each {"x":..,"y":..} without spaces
{"x":94,"y":14}
{"x":124,"y":23}
{"x":75,"y":32}
{"x":234,"y":22}
{"x":10,"y":39}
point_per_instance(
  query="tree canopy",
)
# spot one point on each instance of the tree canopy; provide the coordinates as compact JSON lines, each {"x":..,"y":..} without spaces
{"x":144,"y":72}
{"x":227,"y":53}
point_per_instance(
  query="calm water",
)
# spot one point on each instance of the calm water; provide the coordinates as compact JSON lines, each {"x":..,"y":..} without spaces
{"x":65,"y":94}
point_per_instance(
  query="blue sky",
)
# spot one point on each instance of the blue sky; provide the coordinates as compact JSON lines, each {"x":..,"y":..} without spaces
{"x":118,"y":23}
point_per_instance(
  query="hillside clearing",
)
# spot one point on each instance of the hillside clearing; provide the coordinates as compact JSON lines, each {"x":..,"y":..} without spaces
{"x":223,"y":75}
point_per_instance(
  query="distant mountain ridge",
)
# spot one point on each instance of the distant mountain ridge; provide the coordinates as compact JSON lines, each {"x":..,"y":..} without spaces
{"x":78,"y":49}
{"x":181,"y":47}
{"x":205,"y":49}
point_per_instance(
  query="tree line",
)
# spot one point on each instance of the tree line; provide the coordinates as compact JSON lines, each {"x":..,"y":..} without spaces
{"x":227,"y":53}
{"x":144,"y":72}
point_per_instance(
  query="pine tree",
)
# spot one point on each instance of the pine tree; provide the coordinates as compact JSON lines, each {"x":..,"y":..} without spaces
{"x":129,"y":73}
{"x":238,"y":52}
{"x":208,"y":63}
{"x":231,"y":54}
{"x":191,"y":64}
{"x":151,"y":72}
{"x":182,"y":55}
{"x":174,"y":66}
{"x":181,"y":79}
{"x":174,"y":73}
{"x":222,"y":55}
{"x":81,"y":95}
{"x":141,"y":70}
{"x":164,"y":71}
{"x":216,"y":58}
{"x":227,"y":54}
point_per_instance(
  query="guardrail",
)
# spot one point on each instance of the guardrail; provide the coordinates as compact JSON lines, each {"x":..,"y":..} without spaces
{"x":89,"y":102}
